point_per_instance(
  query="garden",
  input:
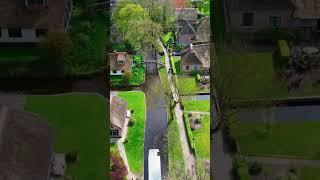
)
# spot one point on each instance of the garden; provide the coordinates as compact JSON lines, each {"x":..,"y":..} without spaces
{"x":79,"y":123}
{"x":249,"y":75}
{"x":135,"y":136}
{"x":135,"y":78}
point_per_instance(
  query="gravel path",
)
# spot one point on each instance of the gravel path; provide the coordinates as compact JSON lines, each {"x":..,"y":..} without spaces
{"x":13,"y":101}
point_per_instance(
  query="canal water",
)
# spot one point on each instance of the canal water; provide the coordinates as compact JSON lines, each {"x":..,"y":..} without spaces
{"x":281,"y":114}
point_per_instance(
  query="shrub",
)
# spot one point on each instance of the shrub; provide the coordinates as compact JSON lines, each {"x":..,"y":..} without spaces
{"x":189,"y":132}
{"x":240,"y":167}
{"x":71,"y":157}
{"x":131,"y":122}
{"x":198,"y":78}
{"x":117,"y":168}
{"x":255,"y":168}
{"x":174,"y":70}
{"x":273,"y":35}
{"x":281,"y":55}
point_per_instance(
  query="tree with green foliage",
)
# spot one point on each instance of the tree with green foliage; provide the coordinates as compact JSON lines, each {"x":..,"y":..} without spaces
{"x":204,"y":7}
{"x":143,"y":34}
{"x":159,"y":11}
{"x":55,"y":50}
{"x":126,"y":14}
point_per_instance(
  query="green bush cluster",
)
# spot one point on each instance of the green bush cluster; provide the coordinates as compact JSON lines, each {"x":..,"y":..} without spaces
{"x":273,"y":35}
{"x":198,"y":78}
{"x":189,"y":132}
{"x":281,"y":55}
{"x":240,"y":167}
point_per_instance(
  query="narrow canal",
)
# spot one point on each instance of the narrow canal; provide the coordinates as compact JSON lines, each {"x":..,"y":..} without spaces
{"x":156,"y":123}
{"x":281,"y":114}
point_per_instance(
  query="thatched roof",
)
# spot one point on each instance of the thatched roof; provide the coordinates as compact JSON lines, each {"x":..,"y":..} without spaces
{"x":197,"y":54}
{"x":118,"y":108}
{"x":26,"y":144}
{"x":203,"y":31}
{"x":15,"y":13}
{"x":123,"y":56}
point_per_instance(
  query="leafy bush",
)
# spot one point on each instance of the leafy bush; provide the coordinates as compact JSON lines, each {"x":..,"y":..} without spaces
{"x":255,"y":168}
{"x":281,"y":55}
{"x":198,"y":78}
{"x":123,"y":46}
{"x":274,"y":35}
{"x":240,"y":168}
{"x":118,"y":170}
{"x":174,"y":69}
{"x":71,"y":157}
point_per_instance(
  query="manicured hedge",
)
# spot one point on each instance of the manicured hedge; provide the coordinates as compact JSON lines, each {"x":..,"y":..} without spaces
{"x":281,"y":55}
{"x":189,"y":132}
{"x":174,"y":69}
{"x":198,"y":78}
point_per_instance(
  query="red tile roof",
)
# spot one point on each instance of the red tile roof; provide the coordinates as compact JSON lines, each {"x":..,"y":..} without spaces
{"x":178,"y":3}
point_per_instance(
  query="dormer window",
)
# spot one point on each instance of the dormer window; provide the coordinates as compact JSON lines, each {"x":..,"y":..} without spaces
{"x":121,"y":58}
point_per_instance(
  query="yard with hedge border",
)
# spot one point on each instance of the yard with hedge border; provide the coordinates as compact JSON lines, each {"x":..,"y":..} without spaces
{"x":135,"y":136}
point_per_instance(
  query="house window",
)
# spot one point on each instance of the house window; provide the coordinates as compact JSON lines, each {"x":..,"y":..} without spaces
{"x":15,"y":32}
{"x":247,"y":19}
{"x":114,"y":133}
{"x":122,"y":71}
{"x":41,"y":32}
{"x":114,"y":71}
{"x":187,"y":68}
{"x":275,"y":21}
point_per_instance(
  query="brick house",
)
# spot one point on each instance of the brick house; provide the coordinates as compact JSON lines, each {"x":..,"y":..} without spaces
{"x":26,"y":21}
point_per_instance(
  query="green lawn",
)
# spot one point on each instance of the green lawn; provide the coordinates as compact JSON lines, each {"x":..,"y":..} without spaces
{"x":196,"y":105}
{"x":135,"y":137}
{"x":176,"y":162}
{"x":175,"y":62}
{"x":79,"y":122}
{"x":251,"y":75}
{"x":202,"y":138}
{"x":293,"y":139}
{"x":188,"y":85}
{"x":310,"y":173}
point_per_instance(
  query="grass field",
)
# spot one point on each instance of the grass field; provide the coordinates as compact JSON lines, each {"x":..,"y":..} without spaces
{"x":188,"y":85}
{"x":251,"y":75}
{"x":79,"y":122}
{"x":135,"y":137}
{"x":175,"y":156}
{"x":196,"y":105}
{"x":310,"y":173}
{"x":293,"y":139}
{"x":202,"y":138}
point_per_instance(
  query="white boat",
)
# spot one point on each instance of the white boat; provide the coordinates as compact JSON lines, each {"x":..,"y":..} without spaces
{"x":154,"y":164}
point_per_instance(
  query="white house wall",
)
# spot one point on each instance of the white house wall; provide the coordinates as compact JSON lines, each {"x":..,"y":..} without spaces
{"x":28,"y":36}
{"x":116,"y":74}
